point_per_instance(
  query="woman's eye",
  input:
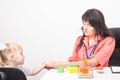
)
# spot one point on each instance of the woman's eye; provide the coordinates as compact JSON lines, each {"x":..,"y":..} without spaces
{"x":89,"y":25}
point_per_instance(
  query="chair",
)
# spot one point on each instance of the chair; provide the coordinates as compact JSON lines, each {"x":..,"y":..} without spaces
{"x":11,"y":74}
{"x":2,"y":76}
{"x":115,"y":57}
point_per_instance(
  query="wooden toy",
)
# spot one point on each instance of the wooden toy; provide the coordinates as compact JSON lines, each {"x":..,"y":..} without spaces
{"x":85,"y":70}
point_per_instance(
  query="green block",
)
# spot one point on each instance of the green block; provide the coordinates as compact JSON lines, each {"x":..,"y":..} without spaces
{"x":60,"y":70}
{"x":72,"y":65}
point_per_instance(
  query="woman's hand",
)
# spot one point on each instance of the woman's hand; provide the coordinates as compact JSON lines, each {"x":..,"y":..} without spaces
{"x":55,"y":64}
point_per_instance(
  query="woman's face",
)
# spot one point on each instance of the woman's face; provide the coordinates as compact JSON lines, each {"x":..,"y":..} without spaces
{"x":88,"y":30}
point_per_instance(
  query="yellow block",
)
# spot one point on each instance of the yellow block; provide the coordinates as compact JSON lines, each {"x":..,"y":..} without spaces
{"x":84,"y":62}
{"x":72,"y":69}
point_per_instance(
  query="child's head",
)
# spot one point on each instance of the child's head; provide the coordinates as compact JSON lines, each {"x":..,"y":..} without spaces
{"x":11,"y":54}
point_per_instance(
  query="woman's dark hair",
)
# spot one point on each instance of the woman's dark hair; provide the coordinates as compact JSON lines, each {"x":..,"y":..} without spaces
{"x":96,"y":20}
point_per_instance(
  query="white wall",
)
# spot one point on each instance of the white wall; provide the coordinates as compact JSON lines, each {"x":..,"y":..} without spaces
{"x":47,"y":29}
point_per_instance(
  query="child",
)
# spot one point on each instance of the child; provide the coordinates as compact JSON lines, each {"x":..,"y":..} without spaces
{"x":11,"y":55}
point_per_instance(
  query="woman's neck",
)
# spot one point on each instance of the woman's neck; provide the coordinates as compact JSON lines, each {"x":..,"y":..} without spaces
{"x":92,"y":37}
{"x":92,"y":40}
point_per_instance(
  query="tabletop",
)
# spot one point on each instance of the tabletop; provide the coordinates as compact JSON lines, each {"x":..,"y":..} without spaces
{"x":52,"y":74}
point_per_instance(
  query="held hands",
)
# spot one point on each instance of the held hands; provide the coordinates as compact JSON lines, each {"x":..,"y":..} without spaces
{"x":54,"y":64}
{"x":50,"y":64}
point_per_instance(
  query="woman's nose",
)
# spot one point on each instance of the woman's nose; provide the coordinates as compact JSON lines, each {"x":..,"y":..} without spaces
{"x":84,"y":27}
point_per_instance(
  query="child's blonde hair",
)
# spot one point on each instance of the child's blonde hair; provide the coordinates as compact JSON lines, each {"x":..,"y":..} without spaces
{"x":10,"y":48}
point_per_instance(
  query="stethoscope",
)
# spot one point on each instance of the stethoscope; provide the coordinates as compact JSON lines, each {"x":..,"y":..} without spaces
{"x":92,"y":51}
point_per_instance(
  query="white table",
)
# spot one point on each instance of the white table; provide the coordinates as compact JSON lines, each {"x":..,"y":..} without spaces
{"x":107,"y":75}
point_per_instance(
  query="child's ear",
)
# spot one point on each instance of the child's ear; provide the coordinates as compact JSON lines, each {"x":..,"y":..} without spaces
{"x":12,"y":57}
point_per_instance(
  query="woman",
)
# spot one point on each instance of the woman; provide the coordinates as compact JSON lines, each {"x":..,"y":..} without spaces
{"x":96,"y":45}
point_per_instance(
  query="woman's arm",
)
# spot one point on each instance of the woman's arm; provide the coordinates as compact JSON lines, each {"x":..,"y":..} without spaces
{"x":56,"y":64}
{"x":104,"y":50}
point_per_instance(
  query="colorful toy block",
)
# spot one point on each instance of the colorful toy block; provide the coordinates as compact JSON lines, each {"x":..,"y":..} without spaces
{"x":72,"y":69}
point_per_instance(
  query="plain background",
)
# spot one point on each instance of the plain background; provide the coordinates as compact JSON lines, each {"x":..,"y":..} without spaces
{"x":48,"y":29}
